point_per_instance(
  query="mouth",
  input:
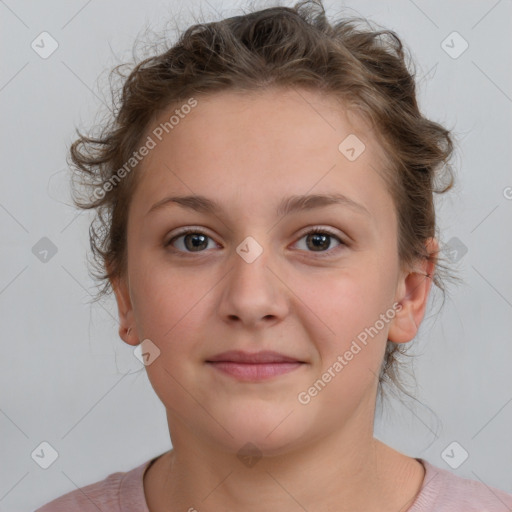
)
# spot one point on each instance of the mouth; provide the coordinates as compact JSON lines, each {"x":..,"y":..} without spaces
{"x":255,"y":366}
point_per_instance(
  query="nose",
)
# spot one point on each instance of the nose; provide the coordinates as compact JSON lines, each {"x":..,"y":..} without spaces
{"x":254,"y":294}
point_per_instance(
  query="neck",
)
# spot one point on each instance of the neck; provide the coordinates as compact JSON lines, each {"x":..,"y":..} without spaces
{"x":342,"y":472}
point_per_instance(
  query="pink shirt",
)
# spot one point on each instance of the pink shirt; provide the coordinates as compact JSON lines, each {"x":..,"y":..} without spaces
{"x":441,"y":491}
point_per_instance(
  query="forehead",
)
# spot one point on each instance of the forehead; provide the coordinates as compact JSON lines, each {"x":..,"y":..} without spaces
{"x":254,"y":148}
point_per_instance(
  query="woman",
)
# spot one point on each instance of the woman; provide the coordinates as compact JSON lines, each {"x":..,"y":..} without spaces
{"x":265,"y":197}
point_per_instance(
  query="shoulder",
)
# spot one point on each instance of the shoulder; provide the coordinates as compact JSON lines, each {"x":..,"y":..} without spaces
{"x":444,"y":491}
{"x":108,"y":495}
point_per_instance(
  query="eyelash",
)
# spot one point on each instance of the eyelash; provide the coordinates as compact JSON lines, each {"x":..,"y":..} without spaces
{"x":320,"y":254}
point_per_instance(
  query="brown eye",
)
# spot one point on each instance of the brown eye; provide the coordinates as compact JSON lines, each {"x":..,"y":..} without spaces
{"x":190,"y":241}
{"x":320,"y":240}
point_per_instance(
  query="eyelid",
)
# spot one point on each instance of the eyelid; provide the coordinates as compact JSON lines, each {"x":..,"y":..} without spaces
{"x":321,"y":229}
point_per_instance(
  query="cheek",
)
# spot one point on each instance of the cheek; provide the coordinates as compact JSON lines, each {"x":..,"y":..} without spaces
{"x":346,"y":300}
{"x":166,"y":302}
{"x":348,"y":306}
{"x":169,"y":307}
{"x":350,"y":357}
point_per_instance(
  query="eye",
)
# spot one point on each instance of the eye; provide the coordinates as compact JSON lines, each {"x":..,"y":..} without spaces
{"x":319,"y":240}
{"x":194,"y":240}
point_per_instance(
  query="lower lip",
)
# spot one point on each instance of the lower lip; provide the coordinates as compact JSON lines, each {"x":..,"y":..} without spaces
{"x":254,"y":371}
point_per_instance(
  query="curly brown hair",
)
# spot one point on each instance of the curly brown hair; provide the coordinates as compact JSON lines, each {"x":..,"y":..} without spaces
{"x":279,"y":46}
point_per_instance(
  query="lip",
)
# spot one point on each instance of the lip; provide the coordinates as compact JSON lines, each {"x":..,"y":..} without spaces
{"x":264,"y":356}
{"x":255,"y":366}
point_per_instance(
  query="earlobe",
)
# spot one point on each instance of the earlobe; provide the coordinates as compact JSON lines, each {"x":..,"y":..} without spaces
{"x":127,"y":331}
{"x":412,"y":294}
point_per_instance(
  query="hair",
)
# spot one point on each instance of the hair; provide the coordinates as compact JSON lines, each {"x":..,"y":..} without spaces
{"x":285,"y":47}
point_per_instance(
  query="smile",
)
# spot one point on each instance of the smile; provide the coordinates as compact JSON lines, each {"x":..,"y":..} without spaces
{"x":253,"y":367}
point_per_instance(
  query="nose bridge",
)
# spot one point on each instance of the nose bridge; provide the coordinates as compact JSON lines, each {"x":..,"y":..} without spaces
{"x":253,"y":293}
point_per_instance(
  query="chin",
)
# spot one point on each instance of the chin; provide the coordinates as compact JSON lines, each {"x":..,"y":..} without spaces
{"x":272,"y":432}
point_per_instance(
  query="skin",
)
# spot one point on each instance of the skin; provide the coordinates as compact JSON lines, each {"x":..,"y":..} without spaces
{"x":248,"y":151}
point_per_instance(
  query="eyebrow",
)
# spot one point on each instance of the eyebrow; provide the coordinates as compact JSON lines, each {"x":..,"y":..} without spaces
{"x":288,"y":205}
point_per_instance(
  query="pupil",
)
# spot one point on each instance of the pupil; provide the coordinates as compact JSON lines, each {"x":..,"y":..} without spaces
{"x":324,"y":238}
{"x":194,"y":237}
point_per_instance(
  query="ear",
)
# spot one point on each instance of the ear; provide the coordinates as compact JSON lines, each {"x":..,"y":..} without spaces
{"x":412,"y":294}
{"x":127,"y":328}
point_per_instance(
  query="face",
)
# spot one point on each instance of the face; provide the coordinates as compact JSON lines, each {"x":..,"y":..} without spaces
{"x":251,"y":276}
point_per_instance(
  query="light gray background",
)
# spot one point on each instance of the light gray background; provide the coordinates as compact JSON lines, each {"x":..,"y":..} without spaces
{"x":63,"y":367}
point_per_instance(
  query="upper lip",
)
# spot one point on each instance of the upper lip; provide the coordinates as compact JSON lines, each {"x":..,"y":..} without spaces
{"x":264,"y":356}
